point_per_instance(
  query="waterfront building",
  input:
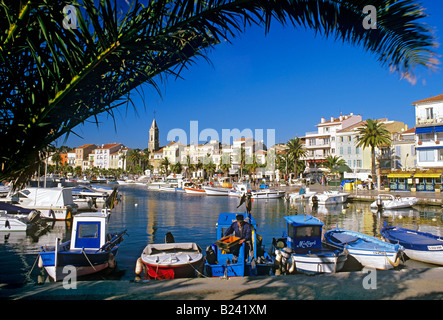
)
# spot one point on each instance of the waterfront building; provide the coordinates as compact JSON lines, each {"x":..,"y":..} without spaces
{"x":102,"y":154}
{"x":429,"y":132}
{"x":322,"y":143}
{"x":82,"y":156}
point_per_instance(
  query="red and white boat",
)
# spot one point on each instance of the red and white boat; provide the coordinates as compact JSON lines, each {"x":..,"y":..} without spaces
{"x":194,"y":190}
{"x":170,"y":261}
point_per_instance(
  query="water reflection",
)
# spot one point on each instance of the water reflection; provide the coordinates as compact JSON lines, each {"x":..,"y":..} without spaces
{"x":149,"y":215}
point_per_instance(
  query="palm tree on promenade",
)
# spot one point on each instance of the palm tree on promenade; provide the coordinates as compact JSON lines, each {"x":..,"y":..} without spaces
{"x":64,"y":62}
{"x":332,"y":162}
{"x":295,"y":151}
{"x":373,"y":135}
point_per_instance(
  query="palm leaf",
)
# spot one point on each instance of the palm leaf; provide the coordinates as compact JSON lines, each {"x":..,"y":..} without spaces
{"x":53,"y":79}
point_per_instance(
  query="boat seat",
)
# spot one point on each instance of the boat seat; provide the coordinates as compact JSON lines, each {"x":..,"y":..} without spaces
{"x":343,"y":237}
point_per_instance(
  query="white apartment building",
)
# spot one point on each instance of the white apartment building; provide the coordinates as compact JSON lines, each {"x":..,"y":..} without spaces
{"x":102,"y":155}
{"x":322,"y":143}
{"x":429,"y":132}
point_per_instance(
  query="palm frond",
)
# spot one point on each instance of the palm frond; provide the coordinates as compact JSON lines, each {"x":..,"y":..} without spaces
{"x":53,"y":79}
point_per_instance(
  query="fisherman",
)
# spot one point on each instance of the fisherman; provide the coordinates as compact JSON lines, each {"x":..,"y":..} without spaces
{"x":242,"y":230}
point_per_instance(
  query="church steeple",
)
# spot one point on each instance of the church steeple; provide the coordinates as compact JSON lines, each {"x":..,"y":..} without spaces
{"x":154,"y":143}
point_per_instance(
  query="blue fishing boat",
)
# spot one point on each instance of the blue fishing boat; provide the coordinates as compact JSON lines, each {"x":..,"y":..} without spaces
{"x":91,"y":248}
{"x":421,"y":246}
{"x":226,"y":258}
{"x":302,"y":250}
{"x":368,"y":251}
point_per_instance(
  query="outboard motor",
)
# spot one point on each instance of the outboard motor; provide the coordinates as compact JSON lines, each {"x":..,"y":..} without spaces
{"x":379,"y":204}
{"x":314,"y":201}
{"x":211,"y":256}
{"x":33,"y":216}
{"x":169,"y":238}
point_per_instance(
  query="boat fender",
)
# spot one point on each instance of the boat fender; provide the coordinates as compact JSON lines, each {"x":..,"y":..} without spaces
{"x":139,"y":266}
{"x":278,"y":255}
{"x":69,"y":215}
{"x":40,"y":262}
{"x":111,"y":261}
{"x":7,"y":224}
{"x":292,"y":266}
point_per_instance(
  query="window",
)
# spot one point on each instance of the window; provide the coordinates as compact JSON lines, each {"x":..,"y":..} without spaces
{"x":349,"y":150}
{"x":357,"y":150}
{"x":423,"y":137}
{"x":359,"y":163}
{"x":429,"y":113}
{"x":349,"y":163}
{"x":440,"y":155}
{"x":426,"y":155}
{"x":341,"y":150}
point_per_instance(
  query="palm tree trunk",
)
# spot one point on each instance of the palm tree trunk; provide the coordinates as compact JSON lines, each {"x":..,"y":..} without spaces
{"x":373,"y":171}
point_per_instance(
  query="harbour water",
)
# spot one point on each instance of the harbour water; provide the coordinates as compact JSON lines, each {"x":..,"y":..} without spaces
{"x":149,"y":215}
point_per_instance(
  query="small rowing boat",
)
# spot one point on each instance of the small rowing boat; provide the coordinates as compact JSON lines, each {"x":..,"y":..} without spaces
{"x":421,"y":246}
{"x":170,"y":261}
{"x":368,"y":251}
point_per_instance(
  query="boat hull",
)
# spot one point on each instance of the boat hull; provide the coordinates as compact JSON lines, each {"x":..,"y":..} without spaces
{"x":162,"y":272}
{"x":194,"y":191}
{"x":322,"y":262}
{"x":331,"y":198}
{"x":85,"y":263}
{"x":420,"y":246}
{"x":368,"y":251}
{"x":396,"y":204}
{"x":11,"y":223}
{"x":171,"y":260}
{"x":217,"y":191}
{"x":267,"y":194}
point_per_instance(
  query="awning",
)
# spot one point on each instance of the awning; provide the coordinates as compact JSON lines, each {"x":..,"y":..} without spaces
{"x":439,"y":129}
{"x":427,"y":175}
{"x":399,"y":175}
{"x":429,"y":148}
{"x":424,"y":130}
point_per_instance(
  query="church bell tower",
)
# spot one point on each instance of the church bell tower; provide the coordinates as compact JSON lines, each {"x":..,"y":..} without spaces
{"x":154,"y":143}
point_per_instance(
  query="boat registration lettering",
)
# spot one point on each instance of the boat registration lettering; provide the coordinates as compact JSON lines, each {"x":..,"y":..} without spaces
{"x":439,"y":247}
{"x":306,"y":244}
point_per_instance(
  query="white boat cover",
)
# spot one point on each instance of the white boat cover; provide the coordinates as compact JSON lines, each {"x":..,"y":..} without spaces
{"x":42,"y":197}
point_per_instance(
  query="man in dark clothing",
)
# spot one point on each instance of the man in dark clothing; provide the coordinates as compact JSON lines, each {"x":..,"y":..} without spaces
{"x":242,"y":230}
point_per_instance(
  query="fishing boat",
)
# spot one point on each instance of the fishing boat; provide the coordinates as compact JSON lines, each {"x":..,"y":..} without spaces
{"x":421,"y":246}
{"x":194,"y":190}
{"x":267,"y":194}
{"x":212,"y":191}
{"x":329,"y":197}
{"x":368,"y":251}
{"x":170,"y":261}
{"x":53,"y":203}
{"x":388,"y":201}
{"x":90,"y":250}
{"x":221,"y":261}
{"x":302,"y":250}
{"x":239,"y":190}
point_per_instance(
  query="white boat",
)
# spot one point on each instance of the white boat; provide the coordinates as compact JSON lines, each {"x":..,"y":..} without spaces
{"x":212,"y":191}
{"x":267,"y":194}
{"x":170,"y":261}
{"x":91,"y":248}
{"x":167,"y":188}
{"x":329,"y":197}
{"x":157,"y":185}
{"x":194,"y":190}
{"x":297,"y":196}
{"x":388,"y":201}
{"x":302,"y":249}
{"x":368,"y":251}
{"x":420,"y":246}
{"x":239,"y":190}
{"x":53,"y":203}
{"x":14,"y":218}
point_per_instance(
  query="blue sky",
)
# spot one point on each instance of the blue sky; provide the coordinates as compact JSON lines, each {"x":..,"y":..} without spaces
{"x":286,"y":81}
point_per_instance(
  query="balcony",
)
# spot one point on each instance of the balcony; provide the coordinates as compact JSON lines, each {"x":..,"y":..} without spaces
{"x":426,"y":122}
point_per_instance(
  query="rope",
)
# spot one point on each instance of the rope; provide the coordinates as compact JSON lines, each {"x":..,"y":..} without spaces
{"x":86,"y":256}
{"x":29,"y":273}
